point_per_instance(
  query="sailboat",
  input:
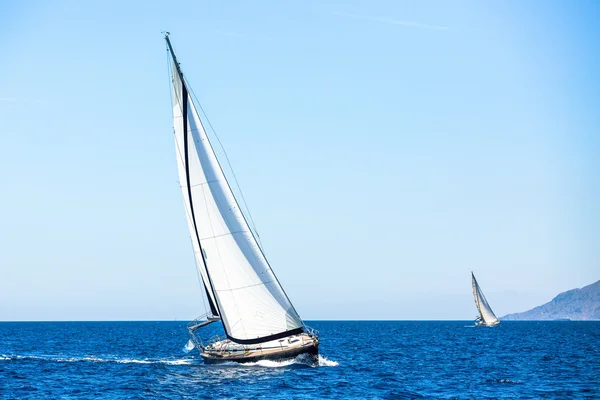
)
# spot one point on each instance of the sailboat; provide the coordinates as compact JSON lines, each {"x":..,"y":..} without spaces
{"x":486,"y":316}
{"x":243,"y":293}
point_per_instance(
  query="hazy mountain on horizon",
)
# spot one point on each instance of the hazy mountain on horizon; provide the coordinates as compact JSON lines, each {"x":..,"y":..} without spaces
{"x":576,"y":305}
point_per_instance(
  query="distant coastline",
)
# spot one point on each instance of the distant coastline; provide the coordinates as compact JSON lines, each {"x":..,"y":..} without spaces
{"x":573,"y":305}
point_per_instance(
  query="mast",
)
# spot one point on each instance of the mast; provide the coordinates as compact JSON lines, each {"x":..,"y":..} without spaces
{"x":214,"y":308}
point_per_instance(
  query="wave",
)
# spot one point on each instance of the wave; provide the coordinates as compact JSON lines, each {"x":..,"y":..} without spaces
{"x":300,"y":360}
{"x":182,"y":361}
{"x":260,"y":363}
{"x":507,"y":381}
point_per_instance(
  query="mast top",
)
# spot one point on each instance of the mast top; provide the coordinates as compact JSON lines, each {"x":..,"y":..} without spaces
{"x":173,"y":55}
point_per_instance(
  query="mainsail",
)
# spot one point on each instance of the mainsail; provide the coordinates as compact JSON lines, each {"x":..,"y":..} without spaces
{"x":485,"y":311}
{"x":240,"y":284}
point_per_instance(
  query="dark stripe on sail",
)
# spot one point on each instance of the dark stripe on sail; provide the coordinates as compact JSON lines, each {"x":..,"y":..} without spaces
{"x":266,"y":338}
{"x":214,"y":309}
{"x":184,"y":97}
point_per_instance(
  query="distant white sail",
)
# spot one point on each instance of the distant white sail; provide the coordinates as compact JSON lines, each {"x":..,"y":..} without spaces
{"x":485,"y":311}
{"x":241,"y":287}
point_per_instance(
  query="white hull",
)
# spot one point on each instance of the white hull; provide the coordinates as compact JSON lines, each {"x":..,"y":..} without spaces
{"x":483,"y":324}
{"x":286,"y":348}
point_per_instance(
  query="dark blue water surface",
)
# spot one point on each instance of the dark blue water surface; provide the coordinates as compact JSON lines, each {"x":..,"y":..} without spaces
{"x":359,"y":360}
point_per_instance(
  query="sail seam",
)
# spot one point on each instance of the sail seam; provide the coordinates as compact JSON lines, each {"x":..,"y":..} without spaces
{"x":224,"y":234}
{"x":202,"y":183}
{"x":245,"y":287}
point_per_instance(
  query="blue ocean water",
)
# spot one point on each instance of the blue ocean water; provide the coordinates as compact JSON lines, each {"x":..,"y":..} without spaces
{"x":386,"y":360}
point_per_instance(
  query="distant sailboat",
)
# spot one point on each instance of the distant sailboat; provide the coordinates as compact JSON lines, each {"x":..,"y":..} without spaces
{"x":486,"y":315}
{"x":242,"y":290}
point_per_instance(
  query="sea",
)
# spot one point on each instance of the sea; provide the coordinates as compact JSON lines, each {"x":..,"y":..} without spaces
{"x":359,"y":360}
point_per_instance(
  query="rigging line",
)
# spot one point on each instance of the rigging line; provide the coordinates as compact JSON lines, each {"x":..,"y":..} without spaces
{"x":237,"y":184}
{"x":221,"y":235}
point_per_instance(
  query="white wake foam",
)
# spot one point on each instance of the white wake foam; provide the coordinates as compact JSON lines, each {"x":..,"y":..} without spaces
{"x":182,"y":361}
{"x":300,"y":360}
{"x":179,"y":362}
{"x":273,"y":364}
{"x":325,"y":362}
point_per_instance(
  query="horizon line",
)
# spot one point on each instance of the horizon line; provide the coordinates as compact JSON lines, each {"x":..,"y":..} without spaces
{"x":308,"y":320}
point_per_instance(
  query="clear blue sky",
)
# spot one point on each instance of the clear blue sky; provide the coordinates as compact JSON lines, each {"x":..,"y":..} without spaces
{"x":385,"y":148}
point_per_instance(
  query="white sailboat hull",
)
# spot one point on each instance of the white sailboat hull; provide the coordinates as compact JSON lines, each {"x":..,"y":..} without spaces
{"x":486,"y":325}
{"x":281,"y":349}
